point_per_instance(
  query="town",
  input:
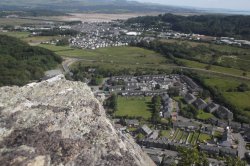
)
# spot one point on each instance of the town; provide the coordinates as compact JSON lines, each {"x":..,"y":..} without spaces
{"x":218,"y":135}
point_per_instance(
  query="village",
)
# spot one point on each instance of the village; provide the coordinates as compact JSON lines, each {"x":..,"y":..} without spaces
{"x":219,"y":136}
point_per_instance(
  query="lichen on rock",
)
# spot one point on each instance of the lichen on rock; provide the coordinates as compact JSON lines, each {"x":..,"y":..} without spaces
{"x":60,"y":122}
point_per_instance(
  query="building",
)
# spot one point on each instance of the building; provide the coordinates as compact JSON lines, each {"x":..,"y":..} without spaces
{"x":227,"y":138}
{"x":146,"y":130}
{"x":200,"y":104}
{"x":192,"y":86}
{"x":132,"y":122}
{"x":224,"y":113}
{"x":189,"y":98}
{"x":212,"y":107}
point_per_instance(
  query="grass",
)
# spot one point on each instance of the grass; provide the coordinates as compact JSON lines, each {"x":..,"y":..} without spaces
{"x":39,"y":39}
{"x":17,"y":21}
{"x":175,"y":133}
{"x":204,"y":137}
{"x":204,"y":115}
{"x":190,"y":137}
{"x":117,"y":58}
{"x":236,"y":57}
{"x":184,"y":136}
{"x":195,"y":138}
{"x":134,"y":107}
{"x":178,"y":137}
{"x":194,"y":64}
{"x":239,"y":99}
{"x":165,"y":133}
{"x":217,"y":134}
{"x":19,"y":35}
{"x":222,"y":83}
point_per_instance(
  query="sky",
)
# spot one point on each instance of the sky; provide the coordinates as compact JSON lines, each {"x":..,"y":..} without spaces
{"x":225,"y":4}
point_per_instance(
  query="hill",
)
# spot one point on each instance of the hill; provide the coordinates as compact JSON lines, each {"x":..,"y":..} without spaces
{"x":237,"y":26}
{"x":20,"y":63}
{"x":66,"y":125}
{"x":103,"y":6}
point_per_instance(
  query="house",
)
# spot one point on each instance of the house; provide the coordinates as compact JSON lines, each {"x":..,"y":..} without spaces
{"x":228,"y":152}
{"x":200,"y":104}
{"x":192,"y":86}
{"x":189,"y":98}
{"x":222,"y":123}
{"x":208,"y":130}
{"x":212,"y":107}
{"x":154,"y":135}
{"x":115,"y":88}
{"x":132,"y":122}
{"x":235,"y":126}
{"x":227,"y":138}
{"x":146,"y":130}
{"x":224,"y":113}
{"x":245,"y":127}
{"x":209,"y":149}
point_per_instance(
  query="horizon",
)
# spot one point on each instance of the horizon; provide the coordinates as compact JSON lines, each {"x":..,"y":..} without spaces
{"x":242,"y":5}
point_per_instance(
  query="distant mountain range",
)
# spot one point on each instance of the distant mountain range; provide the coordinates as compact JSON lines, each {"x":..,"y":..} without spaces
{"x":104,"y":6}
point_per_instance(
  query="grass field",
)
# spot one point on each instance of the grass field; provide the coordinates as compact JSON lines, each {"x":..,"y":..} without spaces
{"x":195,"y":138}
{"x":204,"y":115}
{"x":204,"y":137}
{"x":239,"y":99}
{"x":190,"y":137}
{"x":236,"y":57}
{"x":194,"y":64}
{"x":17,"y":21}
{"x":134,"y":107}
{"x":116,"y":58}
{"x":165,"y":133}
{"x":19,"y":35}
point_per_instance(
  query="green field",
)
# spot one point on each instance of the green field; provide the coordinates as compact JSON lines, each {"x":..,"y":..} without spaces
{"x":25,"y":36}
{"x":232,"y":71}
{"x":204,"y":115}
{"x":204,"y":137}
{"x":238,"y":99}
{"x":190,"y":137}
{"x":19,"y":35}
{"x":17,"y":21}
{"x":116,"y":58}
{"x":195,"y":138}
{"x":165,"y":133}
{"x":235,"y":57}
{"x":134,"y":107}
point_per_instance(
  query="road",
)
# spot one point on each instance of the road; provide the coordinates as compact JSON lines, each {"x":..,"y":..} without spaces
{"x":241,"y":146}
{"x":69,"y":61}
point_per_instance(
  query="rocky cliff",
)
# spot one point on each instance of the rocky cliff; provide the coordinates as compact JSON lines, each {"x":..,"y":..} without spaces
{"x":59,"y":122}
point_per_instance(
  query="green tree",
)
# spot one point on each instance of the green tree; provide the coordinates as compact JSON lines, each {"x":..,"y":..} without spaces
{"x":235,"y":162}
{"x":192,"y":157}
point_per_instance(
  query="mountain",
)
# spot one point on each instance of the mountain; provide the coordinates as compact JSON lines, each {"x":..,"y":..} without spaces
{"x":106,"y":6}
{"x":60,"y":122}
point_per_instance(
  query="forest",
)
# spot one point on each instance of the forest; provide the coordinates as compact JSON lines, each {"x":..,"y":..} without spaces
{"x":21,"y":63}
{"x":237,"y":26}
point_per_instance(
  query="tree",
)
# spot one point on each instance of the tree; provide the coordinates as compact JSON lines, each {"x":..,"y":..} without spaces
{"x":192,"y":157}
{"x":235,"y":162}
{"x":242,"y":87}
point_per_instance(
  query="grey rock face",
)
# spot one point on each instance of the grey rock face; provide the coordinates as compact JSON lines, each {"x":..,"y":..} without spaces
{"x":59,"y":122}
